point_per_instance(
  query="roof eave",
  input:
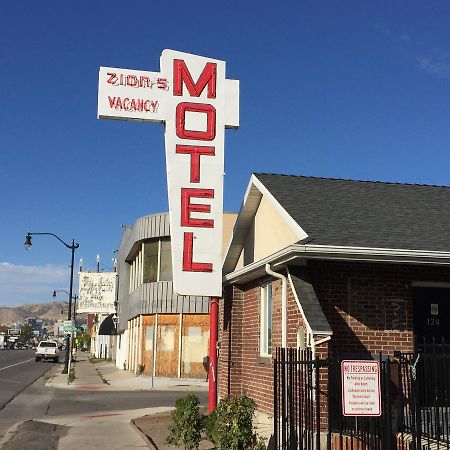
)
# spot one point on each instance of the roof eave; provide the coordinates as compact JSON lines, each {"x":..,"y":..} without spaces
{"x":306,"y":252}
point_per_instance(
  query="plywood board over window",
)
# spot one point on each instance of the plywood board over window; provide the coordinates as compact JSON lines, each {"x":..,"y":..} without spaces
{"x":148,"y":324}
{"x":195,"y":345}
{"x":167,"y":345}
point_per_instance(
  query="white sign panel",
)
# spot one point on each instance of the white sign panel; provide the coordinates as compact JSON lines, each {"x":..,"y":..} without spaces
{"x":68,"y":326}
{"x":361,"y":395}
{"x":131,"y":95}
{"x":196,"y":102}
{"x":97,"y":292}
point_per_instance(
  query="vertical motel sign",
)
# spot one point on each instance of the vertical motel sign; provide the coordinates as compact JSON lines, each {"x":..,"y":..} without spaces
{"x":196,"y":102}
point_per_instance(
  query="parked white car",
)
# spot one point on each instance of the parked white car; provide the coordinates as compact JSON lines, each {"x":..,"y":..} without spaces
{"x":47,"y":350}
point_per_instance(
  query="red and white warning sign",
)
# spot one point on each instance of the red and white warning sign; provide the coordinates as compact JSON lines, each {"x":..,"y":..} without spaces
{"x":361,"y":394}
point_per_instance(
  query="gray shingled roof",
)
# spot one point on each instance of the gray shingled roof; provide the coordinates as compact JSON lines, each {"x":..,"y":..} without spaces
{"x":365,"y":213}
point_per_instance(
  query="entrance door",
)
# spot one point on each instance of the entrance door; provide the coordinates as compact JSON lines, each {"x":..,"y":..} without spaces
{"x":431,"y":314}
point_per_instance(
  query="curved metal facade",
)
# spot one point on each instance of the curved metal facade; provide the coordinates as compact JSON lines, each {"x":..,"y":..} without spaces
{"x":149,"y":298}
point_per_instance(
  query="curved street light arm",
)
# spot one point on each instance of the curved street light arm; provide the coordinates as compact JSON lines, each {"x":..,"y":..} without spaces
{"x":74,"y":297}
{"x":73,"y":246}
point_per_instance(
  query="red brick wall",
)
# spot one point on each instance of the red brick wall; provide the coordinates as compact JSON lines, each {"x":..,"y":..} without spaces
{"x":230,"y":339}
{"x":248,"y":373}
{"x":368,"y":306}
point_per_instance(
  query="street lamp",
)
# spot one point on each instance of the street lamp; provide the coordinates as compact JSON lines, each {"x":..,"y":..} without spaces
{"x":72,"y":247}
{"x":98,"y":263}
{"x":74,"y":298}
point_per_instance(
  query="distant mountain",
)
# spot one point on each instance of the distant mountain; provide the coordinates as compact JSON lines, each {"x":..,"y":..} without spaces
{"x":48,"y":312}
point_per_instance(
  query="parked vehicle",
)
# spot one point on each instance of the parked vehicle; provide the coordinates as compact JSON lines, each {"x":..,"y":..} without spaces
{"x":47,"y":350}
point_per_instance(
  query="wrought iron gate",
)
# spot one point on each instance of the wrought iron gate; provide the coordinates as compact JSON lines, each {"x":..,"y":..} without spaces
{"x":415,"y":399}
{"x":425,"y":381}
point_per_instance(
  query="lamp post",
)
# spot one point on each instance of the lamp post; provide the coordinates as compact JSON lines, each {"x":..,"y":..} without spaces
{"x":98,"y":263}
{"x":74,"y":298}
{"x":72,"y":247}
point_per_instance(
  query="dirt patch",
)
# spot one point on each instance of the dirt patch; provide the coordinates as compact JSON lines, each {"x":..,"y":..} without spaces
{"x":155,"y":428}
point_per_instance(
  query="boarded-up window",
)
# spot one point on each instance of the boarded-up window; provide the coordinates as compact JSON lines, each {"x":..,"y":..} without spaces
{"x":149,"y":338}
{"x":166,"y":338}
{"x":195,"y":336}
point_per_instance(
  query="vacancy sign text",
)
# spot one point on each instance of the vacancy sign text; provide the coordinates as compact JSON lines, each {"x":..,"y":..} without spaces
{"x":196,"y":102}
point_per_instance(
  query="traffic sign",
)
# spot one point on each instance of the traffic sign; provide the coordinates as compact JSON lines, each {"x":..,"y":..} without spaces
{"x":69,"y":326}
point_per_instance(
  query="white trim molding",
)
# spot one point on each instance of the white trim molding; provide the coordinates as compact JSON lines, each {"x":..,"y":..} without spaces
{"x":299,"y":252}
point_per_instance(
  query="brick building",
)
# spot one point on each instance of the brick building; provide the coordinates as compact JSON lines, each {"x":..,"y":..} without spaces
{"x":336,"y":266}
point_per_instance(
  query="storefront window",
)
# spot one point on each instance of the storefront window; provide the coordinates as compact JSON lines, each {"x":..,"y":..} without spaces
{"x":165,"y":270}
{"x":151,"y":261}
{"x":155,"y":264}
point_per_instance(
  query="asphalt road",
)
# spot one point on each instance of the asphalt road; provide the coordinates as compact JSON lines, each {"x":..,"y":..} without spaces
{"x":38,"y":401}
{"x":17,"y":371}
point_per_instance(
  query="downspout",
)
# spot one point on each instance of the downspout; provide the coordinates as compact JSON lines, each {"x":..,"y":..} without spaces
{"x":283,"y":303}
{"x":213,"y":335}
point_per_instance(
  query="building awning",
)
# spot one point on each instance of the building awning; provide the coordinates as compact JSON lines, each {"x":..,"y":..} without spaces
{"x":107,"y":327}
{"x":308,"y":303}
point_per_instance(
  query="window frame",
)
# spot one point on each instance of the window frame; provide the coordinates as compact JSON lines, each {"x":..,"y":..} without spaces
{"x":137,"y":265}
{"x":265,"y":342}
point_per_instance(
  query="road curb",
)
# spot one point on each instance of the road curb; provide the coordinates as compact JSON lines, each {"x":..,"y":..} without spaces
{"x":12,"y":430}
{"x":148,"y":440}
{"x":10,"y":433}
{"x":33,"y":380}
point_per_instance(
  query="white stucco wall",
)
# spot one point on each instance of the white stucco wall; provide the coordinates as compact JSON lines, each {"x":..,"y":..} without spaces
{"x":268,"y":234}
{"x":121,"y":349}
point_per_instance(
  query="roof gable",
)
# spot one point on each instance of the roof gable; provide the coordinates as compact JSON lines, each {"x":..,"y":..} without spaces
{"x":347,"y":213}
{"x":246,"y":218}
{"x":365,"y":213}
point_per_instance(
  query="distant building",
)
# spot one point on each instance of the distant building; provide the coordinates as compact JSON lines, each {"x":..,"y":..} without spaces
{"x":35,"y":324}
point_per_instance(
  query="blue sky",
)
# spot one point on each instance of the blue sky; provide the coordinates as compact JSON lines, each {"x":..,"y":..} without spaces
{"x":349,"y":89}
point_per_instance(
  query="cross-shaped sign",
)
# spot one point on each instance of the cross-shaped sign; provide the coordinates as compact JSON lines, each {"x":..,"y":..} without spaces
{"x":197,"y":103}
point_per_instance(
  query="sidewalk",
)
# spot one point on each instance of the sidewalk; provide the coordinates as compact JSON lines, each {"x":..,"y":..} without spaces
{"x":118,"y":428}
{"x":104,"y":375}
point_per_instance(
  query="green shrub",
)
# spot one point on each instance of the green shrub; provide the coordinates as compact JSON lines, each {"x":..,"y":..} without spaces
{"x":210,"y":426}
{"x":187,"y":423}
{"x":261,"y":443}
{"x":231,"y":425}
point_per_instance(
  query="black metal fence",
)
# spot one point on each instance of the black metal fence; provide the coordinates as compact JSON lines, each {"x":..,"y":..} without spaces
{"x":297,"y":400}
{"x":425,"y":380}
{"x":308,"y":406}
{"x":415,"y":404}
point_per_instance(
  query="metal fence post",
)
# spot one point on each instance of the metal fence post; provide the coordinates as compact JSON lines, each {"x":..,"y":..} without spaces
{"x":275,"y":398}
